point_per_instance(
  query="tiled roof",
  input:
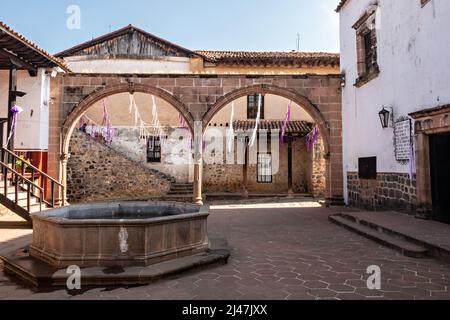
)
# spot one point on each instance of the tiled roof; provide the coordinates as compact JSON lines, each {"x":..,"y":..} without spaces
{"x":301,"y":127}
{"x":340,"y":5}
{"x":27,"y":50}
{"x":301,"y":58}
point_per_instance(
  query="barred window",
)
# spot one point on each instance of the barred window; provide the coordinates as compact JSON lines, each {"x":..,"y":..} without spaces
{"x":366,"y":45}
{"x":252,"y":106}
{"x":154,"y":150}
{"x":264,"y":171}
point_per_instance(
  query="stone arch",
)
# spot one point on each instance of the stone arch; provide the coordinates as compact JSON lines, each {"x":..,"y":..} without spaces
{"x":74,"y":117}
{"x":301,"y":100}
{"x":333,"y":179}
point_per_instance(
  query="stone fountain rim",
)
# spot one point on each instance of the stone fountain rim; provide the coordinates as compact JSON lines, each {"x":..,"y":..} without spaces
{"x":52,"y":215}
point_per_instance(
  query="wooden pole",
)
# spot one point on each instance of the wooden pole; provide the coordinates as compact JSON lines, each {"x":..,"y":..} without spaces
{"x":11,"y":103}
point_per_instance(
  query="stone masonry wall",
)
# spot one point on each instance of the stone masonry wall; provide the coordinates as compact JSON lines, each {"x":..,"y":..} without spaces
{"x":220,"y":177}
{"x":318,"y":170}
{"x":389,"y":191}
{"x":98,"y":173}
{"x":197,"y":97}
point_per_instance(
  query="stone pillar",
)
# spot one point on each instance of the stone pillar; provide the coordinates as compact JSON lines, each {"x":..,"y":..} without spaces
{"x":290,"y":164}
{"x":62,"y":196}
{"x":198,"y":162}
{"x":424,"y":195}
{"x":245,"y":177}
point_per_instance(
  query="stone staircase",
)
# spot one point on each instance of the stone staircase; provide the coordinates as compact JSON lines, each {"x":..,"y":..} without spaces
{"x":22,"y":201}
{"x":182,"y":192}
{"x":387,"y":237}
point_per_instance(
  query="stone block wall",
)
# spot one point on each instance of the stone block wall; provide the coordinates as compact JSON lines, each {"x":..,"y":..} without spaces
{"x":318,"y":176}
{"x":308,"y":177}
{"x":176,"y":160}
{"x":199,"y":97}
{"x":394,"y":191}
{"x":98,"y":173}
{"x":219,"y":178}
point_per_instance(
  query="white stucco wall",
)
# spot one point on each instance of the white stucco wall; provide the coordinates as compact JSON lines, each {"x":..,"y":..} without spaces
{"x":159,"y":65}
{"x":32,"y":123}
{"x":414,"y":59}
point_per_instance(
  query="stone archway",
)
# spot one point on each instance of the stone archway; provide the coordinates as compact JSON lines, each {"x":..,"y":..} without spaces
{"x":302,"y":101}
{"x":333,"y":188}
{"x":74,"y":117}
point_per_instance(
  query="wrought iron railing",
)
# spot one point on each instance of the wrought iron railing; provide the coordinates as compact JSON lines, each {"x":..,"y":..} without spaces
{"x":48,"y":189}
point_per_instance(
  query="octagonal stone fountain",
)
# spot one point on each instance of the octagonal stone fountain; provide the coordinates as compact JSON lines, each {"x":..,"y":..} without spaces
{"x":139,"y":241}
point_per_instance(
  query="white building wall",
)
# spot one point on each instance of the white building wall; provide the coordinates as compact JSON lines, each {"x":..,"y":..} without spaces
{"x":414,"y":61}
{"x":158,"y":65}
{"x":33,"y":122}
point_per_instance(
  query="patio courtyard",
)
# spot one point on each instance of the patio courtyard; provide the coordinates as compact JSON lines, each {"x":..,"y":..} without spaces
{"x":285,"y":249}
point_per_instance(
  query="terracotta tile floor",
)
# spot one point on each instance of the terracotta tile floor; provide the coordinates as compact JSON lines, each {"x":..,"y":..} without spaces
{"x":286,"y":251}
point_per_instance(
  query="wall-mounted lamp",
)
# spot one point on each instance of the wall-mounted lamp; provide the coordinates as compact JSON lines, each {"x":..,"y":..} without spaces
{"x":386,"y":117}
{"x":343,"y":82}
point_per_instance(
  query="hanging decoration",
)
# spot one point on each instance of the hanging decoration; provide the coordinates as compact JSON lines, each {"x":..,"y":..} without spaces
{"x":311,"y":139}
{"x":287,"y":119}
{"x":155,"y":119}
{"x":84,"y":122}
{"x":258,"y":119}
{"x":230,"y":137}
{"x":16,"y":110}
{"x":146,"y":130}
{"x":184,"y":125}
{"x":108,"y":133}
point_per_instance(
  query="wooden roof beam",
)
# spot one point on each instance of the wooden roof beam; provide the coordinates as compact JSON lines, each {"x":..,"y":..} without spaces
{"x":19,"y":63}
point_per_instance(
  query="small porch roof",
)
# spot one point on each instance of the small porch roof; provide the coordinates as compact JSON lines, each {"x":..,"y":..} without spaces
{"x":295,"y":127}
{"x":17,"y":51}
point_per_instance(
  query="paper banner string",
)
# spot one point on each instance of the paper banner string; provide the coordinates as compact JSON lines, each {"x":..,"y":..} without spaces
{"x":16,"y":110}
{"x":132,"y":103}
{"x":258,"y":118}
{"x":185,"y":126}
{"x":154,"y":111}
{"x":287,"y":119}
{"x":311,"y":139}
{"x":230,"y":137}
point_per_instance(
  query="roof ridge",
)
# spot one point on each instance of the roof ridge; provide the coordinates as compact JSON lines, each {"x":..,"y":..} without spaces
{"x":119,"y":32}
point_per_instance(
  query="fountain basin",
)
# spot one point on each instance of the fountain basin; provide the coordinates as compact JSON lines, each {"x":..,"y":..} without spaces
{"x":119,"y":234}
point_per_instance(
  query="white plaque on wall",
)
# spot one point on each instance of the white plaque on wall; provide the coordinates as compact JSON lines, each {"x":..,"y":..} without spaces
{"x":402,"y":139}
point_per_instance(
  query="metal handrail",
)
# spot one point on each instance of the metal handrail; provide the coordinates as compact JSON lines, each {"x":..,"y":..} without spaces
{"x":16,"y":176}
{"x":28,"y":181}
{"x":33,"y":167}
{"x":34,"y":170}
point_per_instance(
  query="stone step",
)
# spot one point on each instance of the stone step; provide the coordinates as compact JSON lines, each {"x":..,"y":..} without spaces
{"x":178,"y":198}
{"x":188,"y":185}
{"x":182,"y":187}
{"x":186,"y":192}
{"x":397,"y":243}
{"x":182,"y":190}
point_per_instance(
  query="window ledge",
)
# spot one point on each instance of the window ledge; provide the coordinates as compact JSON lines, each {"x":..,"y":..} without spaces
{"x":366,"y":78}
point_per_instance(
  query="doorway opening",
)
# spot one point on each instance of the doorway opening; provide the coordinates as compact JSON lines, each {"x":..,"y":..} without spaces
{"x":440,"y":176}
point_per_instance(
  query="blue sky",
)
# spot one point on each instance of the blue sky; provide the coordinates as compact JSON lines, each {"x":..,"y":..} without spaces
{"x":254,"y":25}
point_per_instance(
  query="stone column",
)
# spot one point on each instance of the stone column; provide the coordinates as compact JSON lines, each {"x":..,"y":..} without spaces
{"x":198,"y":162}
{"x":424,"y":196}
{"x":290,"y":169}
{"x":62,"y":196}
